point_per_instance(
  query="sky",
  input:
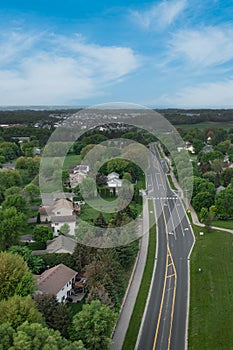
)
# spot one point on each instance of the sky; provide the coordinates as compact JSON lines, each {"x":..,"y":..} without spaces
{"x":162,"y":54}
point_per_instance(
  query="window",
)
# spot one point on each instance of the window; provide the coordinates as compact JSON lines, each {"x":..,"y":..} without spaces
{"x":56,"y":224}
{"x":58,"y":212}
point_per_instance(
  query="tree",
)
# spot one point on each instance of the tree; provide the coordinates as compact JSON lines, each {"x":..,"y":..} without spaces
{"x":34,"y":262}
{"x":65,"y":229}
{"x":12,"y":190}
{"x":6,"y":335}
{"x":56,"y":315}
{"x":87,"y":187}
{"x":224,"y":203}
{"x":93,"y":325}
{"x":15,"y":200}
{"x":37,"y":336}
{"x":11,"y":225}
{"x":202,"y":199}
{"x":127,"y":176}
{"x":226,"y":176}
{"x":15,"y":277}
{"x":42,"y":234}
{"x":16,"y":310}
{"x":204,"y":213}
{"x":100,"y":221}
{"x":32,"y":191}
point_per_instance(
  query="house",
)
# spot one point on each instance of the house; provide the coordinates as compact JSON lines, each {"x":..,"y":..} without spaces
{"x":188,"y":147}
{"x":22,"y":139}
{"x":60,"y":244}
{"x":62,"y":207}
{"x":114,"y":182}
{"x":58,"y":221}
{"x":76,"y":178}
{"x":77,"y":173}
{"x":60,"y":212}
{"x":8,"y":166}
{"x":112,"y":176}
{"x":49,"y":198}
{"x":57,"y":281}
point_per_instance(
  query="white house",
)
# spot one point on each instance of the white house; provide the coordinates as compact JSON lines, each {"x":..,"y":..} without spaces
{"x":114,"y":182}
{"x":62,"y":207}
{"x":60,"y":212}
{"x":57,"y":221}
{"x":56,"y":281}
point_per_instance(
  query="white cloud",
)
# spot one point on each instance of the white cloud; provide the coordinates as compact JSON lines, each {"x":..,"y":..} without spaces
{"x":159,"y":16}
{"x":207,"y":47}
{"x":44,"y":68}
{"x":218,"y":94}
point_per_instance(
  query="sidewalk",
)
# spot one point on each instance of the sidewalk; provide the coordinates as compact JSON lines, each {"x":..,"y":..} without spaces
{"x":134,"y":284}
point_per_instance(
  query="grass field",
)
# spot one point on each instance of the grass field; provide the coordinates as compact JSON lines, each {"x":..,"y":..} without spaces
{"x":171,"y":183}
{"x":202,"y":126}
{"x":71,"y":159}
{"x":223,"y":223}
{"x":135,"y":321}
{"x":211,"y":297}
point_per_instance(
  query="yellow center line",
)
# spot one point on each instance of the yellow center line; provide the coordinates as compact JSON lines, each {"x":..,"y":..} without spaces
{"x":164,"y":286}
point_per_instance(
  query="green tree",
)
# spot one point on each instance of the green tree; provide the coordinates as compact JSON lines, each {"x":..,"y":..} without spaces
{"x":34,"y":262}
{"x":56,"y":315}
{"x":226,"y":176}
{"x":15,"y":277}
{"x":16,"y":310}
{"x":65,"y":229}
{"x":224,"y":203}
{"x":202,"y":199}
{"x":15,"y":200}
{"x":93,"y":325}
{"x":11,"y":225}
{"x":36,"y":336}
{"x":87,"y":187}
{"x":12,"y":190}
{"x":42,"y":234}
{"x":6,"y":336}
{"x":127,"y":176}
{"x":32,"y":191}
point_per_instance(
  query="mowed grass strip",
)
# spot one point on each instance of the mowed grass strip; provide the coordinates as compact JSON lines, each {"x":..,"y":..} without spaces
{"x":139,"y":307}
{"x":171,"y":183}
{"x":211,"y":294}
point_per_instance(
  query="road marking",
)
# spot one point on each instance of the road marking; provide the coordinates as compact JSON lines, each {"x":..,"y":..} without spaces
{"x":171,"y":263}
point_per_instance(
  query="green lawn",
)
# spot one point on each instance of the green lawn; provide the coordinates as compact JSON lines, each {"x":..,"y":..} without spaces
{"x":211,"y":297}
{"x":71,"y":159}
{"x":223,"y":223}
{"x":171,"y":183}
{"x":135,"y":321}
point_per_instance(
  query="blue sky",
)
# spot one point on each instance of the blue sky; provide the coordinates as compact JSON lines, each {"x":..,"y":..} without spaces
{"x":176,"y":53}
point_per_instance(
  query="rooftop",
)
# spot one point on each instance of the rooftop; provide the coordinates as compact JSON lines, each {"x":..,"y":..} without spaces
{"x":53,"y":280}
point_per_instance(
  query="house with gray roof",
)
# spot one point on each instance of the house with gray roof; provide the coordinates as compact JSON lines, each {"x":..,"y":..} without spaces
{"x":57,"y":281}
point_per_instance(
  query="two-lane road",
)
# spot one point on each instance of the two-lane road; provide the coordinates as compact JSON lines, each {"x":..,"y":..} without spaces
{"x":165,"y":321}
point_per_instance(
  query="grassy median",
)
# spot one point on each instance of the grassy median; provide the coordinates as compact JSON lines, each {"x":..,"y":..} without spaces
{"x":211,"y":295}
{"x":135,"y":321}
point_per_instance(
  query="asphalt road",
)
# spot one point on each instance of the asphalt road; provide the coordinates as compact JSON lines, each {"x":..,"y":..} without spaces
{"x":165,"y":321}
